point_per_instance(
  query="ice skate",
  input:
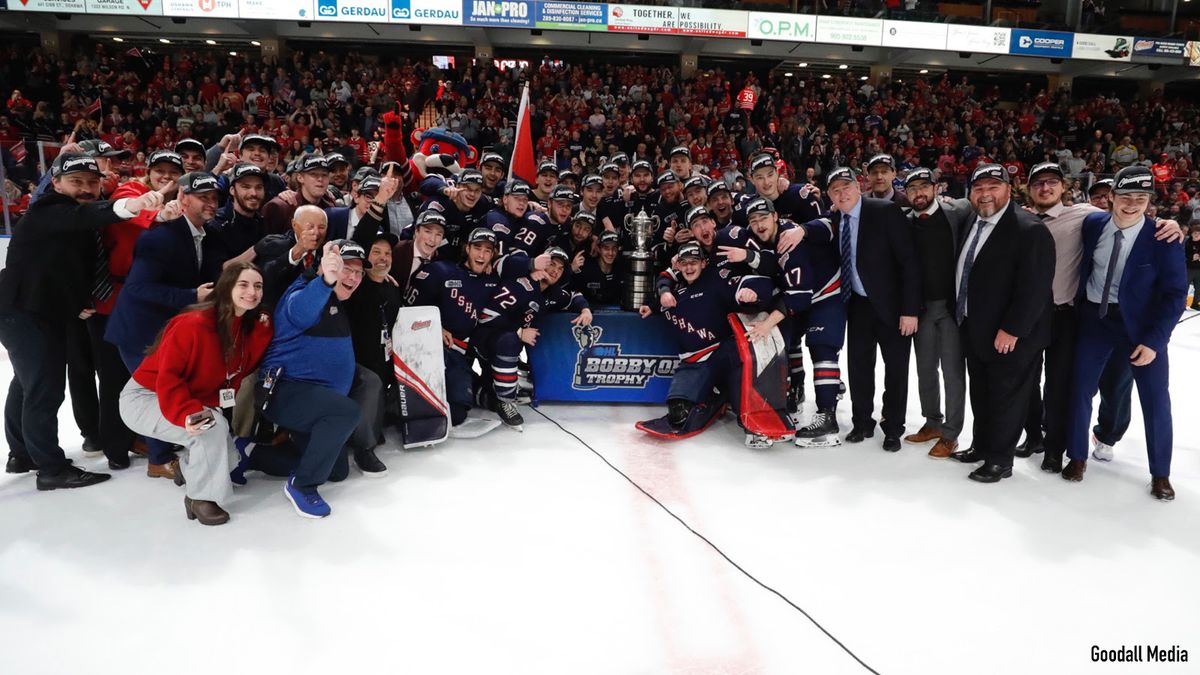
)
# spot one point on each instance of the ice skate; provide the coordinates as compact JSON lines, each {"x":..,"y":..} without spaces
{"x":822,"y":432}
{"x":509,"y":415}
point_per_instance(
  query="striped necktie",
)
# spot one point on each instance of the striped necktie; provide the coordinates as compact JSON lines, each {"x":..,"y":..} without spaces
{"x":102,"y":285}
{"x":960,"y":306}
{"x":847,"y":258}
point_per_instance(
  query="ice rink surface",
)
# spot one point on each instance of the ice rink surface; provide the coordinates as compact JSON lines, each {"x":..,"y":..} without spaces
{"x":526,"y":553}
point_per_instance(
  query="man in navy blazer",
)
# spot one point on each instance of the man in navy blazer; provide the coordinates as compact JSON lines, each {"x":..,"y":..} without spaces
{"x":1132,"y":288}
{"x":345,"y":220}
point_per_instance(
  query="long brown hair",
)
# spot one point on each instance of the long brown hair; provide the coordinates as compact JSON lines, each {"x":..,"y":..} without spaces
{"x":219,"y":308}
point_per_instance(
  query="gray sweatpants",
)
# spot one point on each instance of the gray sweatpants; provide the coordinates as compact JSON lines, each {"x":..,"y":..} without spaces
{"x":206,"y":458}
{"x":937,"y":343}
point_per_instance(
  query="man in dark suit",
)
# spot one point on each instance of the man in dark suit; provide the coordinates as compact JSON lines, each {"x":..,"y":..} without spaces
{"x":409,"y":255}
{"x":174,"y":265}
{"x":1003,"y":297}
{"x":1131,"y":292}
{"x":881,"y":283}
{"x":54,"y":275}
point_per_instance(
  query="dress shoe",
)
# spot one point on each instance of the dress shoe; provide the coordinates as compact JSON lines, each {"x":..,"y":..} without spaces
{"x":1029,"y":448}
{"x":1161,"y":488}
{"x":91,"y":447}
{"x":168,"y":470}
{"x":139,"y":448}
{"x":70,"y":477}
{"x":968,"y":456}
{"x":1074,"y":470}
{"x":1052,"y":462}
{"x":943,"y":448}
{"x":991,"y":473}
{"x":19,"y":464}
{"x":118,"y":463}
{"x":891,"y":443}
{"x":857,"y":435}
{"x":208,"y":513}
{"x":926,"y":434}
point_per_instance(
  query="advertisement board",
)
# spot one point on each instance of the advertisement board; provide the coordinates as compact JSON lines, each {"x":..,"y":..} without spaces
{"x":361,"y":11}
{"x":47,"y":5}
{"x":1102,"y":47}
{"x":1160,"y":47}
{"x":1045,"y":43}
{"x":212,"y":9}
{"x":641,"y":19}
{"x":711,"y":22}
{"x":986,"y":39}
{"x":572,"y":15}
{"x":1193,"y":54}
{"x":125,"y":7}
{"x":848,"y":30}
{"x":276,"y":9}
{"x":783,"y":27}
{"x":505,"y":14}
{"x":914,"y":34}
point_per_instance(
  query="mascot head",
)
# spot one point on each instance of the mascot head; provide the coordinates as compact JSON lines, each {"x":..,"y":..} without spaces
{"x":441,"y":152}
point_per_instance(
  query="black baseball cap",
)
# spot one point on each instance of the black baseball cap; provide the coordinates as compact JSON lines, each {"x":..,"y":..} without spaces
{"x":1102,"y":183}
{"x":985,"y":171}
{"x":390,"y":238}
{"x":840,"y":173}
{"x":383,"y":168}
{"x":518,"y":187}
{"x":492,"y":157}
{"x":189,"y":143}
{"x":665,"y":178}
{"x":481,"y":234}
{"x":590,"y":180}
{"x":762,"y":161}
{"x":352,"y":250}
{"x":245,"y":170}
{"x":567,"y":173}
{"x":261,"y":139}
{"x":311,"y":163}
{"x":564,"y":193}
{"x":717,"y":186}
{"x":695,"y":181}
{"x":690,"y":250}
{"x":469,"y":177}
{"x":642,"y":165}
{"x":165,"y":157}
{"x":99,"y":148}
{"x":198,"y":182}
{"x":1047,"y":167}
{"x":586,"y":216}
{"x":619,"y":158}
{"x":883,"y":158}
{"x":369,"y":184}
{"x":547,"y":167}
{"x":680,"y":150}
{"x":336,"y":158}
{"x":610,"y":238}
{"x":611,"y":166}
{"x":431,"y":218}
{"x":918,"y":174}
{"x":363,"y":172}
{"x":1133,"y":179}
{"x":759,"y":205}
{"x":557,"y":253}
{"x":74,"y":162}
{"x":697,"y":213}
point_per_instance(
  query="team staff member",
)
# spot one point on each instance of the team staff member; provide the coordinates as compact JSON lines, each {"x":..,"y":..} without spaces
{"x":937,"y":345}
{"x":373,"y":309}
{"x":53,"y":275}
{"x":1131,"y":287}
{"x":1003,"y":298}
{"x":192,"y":372}
{"x":881,"y":173}
{"x":881,"y":285}
{"x":312,"y":178}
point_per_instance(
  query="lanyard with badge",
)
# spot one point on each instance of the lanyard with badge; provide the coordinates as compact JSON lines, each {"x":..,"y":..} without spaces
{"x":385,"y":335}
{"x":228,"y":396}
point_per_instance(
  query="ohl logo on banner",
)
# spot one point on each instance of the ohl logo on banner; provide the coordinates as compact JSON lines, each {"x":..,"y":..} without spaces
{"x":602,"y":365}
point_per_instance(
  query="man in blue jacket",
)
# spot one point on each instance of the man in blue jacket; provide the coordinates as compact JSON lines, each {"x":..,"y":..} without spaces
{"x":1131,"y":293}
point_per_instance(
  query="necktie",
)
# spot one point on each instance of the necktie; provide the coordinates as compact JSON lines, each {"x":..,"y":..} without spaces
{"x":308,"y":260}
{"x":847,"y":259}
{"x":102,"y":287}
{"x":923,"y":216}
{"x":960,"y":307}
{"x":1043,"y":216}
{"x":199,"y":238}
{"x":1118,"y":237}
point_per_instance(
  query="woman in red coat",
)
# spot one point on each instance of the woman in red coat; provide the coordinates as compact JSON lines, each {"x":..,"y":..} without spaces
{"x":189,"y":378}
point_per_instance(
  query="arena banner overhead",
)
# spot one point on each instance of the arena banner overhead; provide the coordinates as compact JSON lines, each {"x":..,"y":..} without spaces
{"x":914,"y":34}
{"x":783,"y":27}
{"x":506,"y":14}
{"x":212,"y":9}
{"x":711,"y":22}
{"x":352,"y":10}
{"x":48,"y":5}
{"x":276,"y":9}
{"x":572,"y":15}
{"x":1103,"y":47}
{"x":985,"y":39}
{"x":1193,"y":54}
{"x":128,"y":7}
{"x":436,"y":12}
{"x":848,"y":30}
{"x":1049,"y":44}
{"x":642,"y":19}
{"x":1159,"y":47}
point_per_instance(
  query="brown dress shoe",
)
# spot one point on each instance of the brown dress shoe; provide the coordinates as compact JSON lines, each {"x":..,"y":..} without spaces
{"x":943,"y":448}
{"x":1074,"y":470}
{"x":168,"y":470}
{"x":925,"y":435}
{"x":139,"y":448}
{"x":208,"y":513}
{"x":1161,"y":488}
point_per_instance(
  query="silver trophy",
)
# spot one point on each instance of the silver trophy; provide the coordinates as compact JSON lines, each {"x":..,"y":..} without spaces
{"x":639,"y":274}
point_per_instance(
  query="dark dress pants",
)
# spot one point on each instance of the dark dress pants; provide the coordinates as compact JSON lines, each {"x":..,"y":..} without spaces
{"x":866,"y":332}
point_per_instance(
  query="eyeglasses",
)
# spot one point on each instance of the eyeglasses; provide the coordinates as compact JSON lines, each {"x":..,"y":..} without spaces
{"x":1049,"y":182}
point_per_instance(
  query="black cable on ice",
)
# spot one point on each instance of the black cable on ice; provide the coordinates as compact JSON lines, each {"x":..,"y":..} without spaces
{"x":711,"y":545}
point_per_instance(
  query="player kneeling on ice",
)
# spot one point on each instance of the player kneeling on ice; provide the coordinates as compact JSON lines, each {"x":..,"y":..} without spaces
{"x":506,"y":322}
{"x":718,"y":365}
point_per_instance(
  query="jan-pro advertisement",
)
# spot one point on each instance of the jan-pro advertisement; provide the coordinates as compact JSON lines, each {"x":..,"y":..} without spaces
{"x":506,"y":14}
{"x":572,"y":15}
{"x":1049,"y":44}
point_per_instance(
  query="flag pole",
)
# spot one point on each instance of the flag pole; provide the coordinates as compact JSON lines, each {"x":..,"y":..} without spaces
{"x":517,"y":129}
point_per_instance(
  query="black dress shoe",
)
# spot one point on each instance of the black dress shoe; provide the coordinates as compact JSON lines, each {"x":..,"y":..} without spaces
{"x":968,"y":456}
{"x":891,"y":443}
{"x":1030,"y":448}
{"x":1161,"y":488}
{"x":857,"y":435}
{"x":91,"y":447}
{"x":1052,"y":462}
{"x":70,"y":477}
{"x":118,"y":463}
{"x":1074,"y":470}
{"x":991,"y":473}
{"x":18,"y":464}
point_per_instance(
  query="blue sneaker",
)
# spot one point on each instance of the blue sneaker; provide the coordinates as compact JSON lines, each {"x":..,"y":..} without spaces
{"x":305,"y":500}
{"x":244,"y":447}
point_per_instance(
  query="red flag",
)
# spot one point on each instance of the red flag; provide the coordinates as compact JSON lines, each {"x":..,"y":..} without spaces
{"x":93,"y":108}
{"x":18,"y":152}
{"x":522,"y":165}
{"x":134,"y":52}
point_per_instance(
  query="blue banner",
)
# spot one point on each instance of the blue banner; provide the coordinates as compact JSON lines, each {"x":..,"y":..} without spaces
{"x":620,"y":358}
{"x":1159,"y":47}
{"x":502,"y":13}
{"x":1049,"y":44}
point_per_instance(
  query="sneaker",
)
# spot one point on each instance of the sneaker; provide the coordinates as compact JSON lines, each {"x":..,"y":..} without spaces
{"x":509,"y":415}
{"x":70,"y":477}
{"x":1101,"y":451}
{"x":306,"y":501}
{"x":369,"y":464}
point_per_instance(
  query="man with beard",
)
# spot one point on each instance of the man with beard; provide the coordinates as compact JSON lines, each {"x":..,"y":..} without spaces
{"x":238,"y":225}
{"x":312,"y":177}
{"x":669,"y":208}
{"x":491,"y":165}
{"x":1003,"y":304}
{"x":599,"y":277}
{"x":577,"y":239}
{"x":881,"y":173}
{"x":634,"y":198}
{"x":257,"y":149}
{"x":464,"y":207}
{"x":372,"y":310}
{"x":53,"y":275}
